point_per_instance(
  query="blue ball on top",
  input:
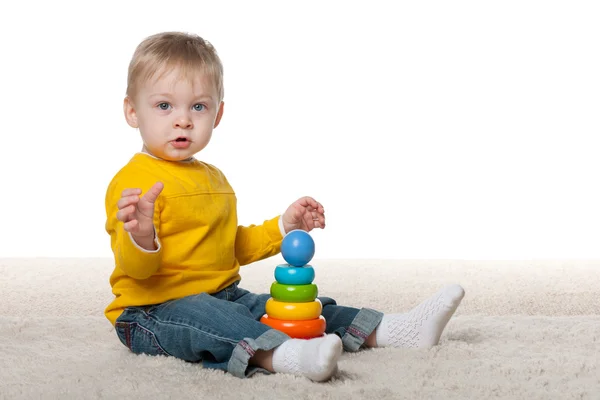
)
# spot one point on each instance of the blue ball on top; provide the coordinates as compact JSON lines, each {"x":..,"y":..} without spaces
{"x":297,"y":248}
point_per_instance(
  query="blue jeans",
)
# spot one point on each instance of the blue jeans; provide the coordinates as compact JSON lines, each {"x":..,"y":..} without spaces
{"x":223,"y":331}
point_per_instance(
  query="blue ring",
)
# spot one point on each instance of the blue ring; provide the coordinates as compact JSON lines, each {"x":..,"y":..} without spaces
{"x":289,"y":275}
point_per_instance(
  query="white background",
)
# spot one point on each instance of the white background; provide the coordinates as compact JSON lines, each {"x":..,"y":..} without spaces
{"x":438,"y":129}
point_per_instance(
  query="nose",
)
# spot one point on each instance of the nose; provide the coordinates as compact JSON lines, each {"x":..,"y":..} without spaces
{"x":183,"y":122}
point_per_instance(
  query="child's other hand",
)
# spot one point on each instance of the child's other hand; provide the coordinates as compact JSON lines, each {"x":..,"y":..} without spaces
{"x":305,"y":213}
{"x":137,"y":212}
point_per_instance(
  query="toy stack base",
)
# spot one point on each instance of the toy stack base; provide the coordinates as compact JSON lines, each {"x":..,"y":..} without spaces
{"x":293,"y":307}
{"x":306,"y":329}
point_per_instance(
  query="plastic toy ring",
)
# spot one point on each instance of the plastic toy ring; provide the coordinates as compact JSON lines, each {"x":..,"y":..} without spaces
{"x":294,"y":293}
{"x":288,"y":275}
{"x":297,"y":329}
{"x":293,"y":311}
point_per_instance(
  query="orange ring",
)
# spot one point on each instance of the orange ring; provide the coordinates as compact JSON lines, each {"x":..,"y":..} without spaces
{"x":297,"y":329}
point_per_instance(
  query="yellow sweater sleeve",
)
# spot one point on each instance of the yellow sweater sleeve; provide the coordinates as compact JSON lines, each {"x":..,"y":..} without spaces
{"x":257,"y":242}
{"x":134,"y":261}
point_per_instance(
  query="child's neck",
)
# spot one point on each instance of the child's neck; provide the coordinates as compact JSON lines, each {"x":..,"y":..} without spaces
{"x":147,"y":152}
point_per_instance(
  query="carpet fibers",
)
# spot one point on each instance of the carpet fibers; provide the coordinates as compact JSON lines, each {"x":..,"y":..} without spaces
{"x":525,"y":330}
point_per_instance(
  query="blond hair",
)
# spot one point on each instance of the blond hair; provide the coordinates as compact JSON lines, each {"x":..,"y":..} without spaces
{"x":166,"y":50}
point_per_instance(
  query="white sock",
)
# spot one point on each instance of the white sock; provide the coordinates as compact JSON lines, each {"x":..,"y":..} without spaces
{"x":422,"y":326}
{"x":314,"y":358}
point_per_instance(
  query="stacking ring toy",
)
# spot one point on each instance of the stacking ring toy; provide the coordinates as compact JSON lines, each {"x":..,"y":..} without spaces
{"x":293,"y":311}
{"x":297,"y":329}
{"x":288,"y":275}
{"x":294,"y":293}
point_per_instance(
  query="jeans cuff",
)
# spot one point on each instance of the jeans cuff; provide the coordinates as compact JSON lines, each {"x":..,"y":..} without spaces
{"x":245,"y":349}
{"x":361,"y":327}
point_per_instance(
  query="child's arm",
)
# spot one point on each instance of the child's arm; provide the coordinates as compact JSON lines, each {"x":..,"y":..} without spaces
{"x":132,"y":224}
{"x":254,"y":243}
{"x":257,"y":242}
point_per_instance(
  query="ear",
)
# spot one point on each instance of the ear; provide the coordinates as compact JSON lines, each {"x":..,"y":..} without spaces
{"x":129,"y":111}
{"x":219,"y":114}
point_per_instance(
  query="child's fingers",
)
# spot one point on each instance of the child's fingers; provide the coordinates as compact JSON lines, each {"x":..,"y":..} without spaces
{"x":126,"y":213}
{"x":320,"y":208}
{"x":319,"y":221}
{"x":131,"y":226}
{"x":129,"y":192}
{"x":152,"y":194}
{"x":127,"y":200}
{"x":311,"y":204}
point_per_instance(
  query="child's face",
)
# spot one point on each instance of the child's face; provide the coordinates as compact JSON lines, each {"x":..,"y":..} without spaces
{"x":175,"y":116}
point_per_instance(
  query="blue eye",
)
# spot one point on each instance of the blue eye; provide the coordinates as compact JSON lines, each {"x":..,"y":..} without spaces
{"x":199,"y":107}
{"x":164,"y":106}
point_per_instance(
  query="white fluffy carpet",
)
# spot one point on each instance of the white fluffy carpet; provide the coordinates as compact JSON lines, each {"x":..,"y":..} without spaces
{"x":525,"y":330}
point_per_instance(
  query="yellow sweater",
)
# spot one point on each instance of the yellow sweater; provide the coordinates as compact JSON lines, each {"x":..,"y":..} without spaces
{"x":200,"y":245}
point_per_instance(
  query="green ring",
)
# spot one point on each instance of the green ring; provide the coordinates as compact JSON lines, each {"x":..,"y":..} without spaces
{"x":294,"y":293}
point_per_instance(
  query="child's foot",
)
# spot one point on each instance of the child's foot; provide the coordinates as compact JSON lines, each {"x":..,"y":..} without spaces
{"x":315,"y":358}
{"x":423,"y":325}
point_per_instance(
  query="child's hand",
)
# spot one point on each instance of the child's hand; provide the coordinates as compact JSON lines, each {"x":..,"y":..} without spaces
{"x":137,"y":213}
{"x":305,"y":213}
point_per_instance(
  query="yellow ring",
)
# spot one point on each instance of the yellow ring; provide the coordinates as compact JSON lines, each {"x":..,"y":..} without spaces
{"x":293,"y":311}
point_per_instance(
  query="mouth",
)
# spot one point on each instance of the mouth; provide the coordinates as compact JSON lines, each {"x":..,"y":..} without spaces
{"x":181,"y":143}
